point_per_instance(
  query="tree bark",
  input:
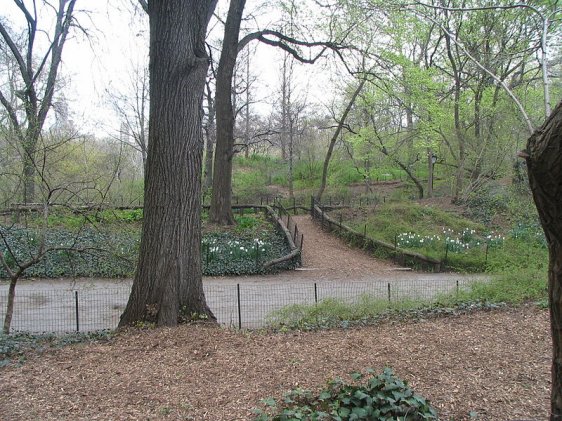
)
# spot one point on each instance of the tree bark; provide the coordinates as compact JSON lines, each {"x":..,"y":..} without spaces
{"x":10,"y":306}
{"x":544,"y":163}
{"x":168,"y":287}
{"x":211,"y":131}
{"x":335,"y":138}
{"x":221,"y":200}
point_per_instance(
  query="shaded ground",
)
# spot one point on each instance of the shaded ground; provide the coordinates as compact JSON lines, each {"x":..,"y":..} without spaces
{"x":495,"y":364}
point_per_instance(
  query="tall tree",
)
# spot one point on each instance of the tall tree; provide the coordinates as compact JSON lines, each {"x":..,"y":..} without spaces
{"x":131,"y":104}
{"x":335,"y":137}
{"x":210,"y":129}
{"x":38,"y":74}
{"x":221,"y":210}
{"x":168,"y":287}
{"x":544,"y":163}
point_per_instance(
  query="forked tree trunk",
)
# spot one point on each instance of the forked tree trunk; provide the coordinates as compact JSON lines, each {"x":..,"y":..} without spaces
{"x":335,"y":138}
{"x":168,"y":287}
{"x":544,"y":162}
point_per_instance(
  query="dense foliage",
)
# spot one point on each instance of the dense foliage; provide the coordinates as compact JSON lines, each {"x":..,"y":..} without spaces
{"x":106,"y":245}
{"x":382,"y":397}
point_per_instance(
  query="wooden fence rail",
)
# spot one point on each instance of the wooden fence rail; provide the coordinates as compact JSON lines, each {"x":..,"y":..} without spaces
{"x":379,"y":248}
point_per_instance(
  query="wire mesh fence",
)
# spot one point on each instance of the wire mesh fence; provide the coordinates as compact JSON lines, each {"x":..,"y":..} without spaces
{"x":244,"y":305}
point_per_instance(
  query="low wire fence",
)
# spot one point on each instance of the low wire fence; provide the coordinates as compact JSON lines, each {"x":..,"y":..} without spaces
{"x":243,"y":305}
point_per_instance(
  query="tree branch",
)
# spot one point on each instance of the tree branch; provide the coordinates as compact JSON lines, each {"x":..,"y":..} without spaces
{"x":144,"y":5}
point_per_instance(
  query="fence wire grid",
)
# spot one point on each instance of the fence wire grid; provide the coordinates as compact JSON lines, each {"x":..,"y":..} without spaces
{"x":244,"y":305}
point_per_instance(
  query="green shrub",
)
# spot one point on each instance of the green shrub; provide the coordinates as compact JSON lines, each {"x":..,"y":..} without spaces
{"x":116,"y":215}
{"x":344,"y":175}
{"x":511,"y":289}
{"x":485,"y":203}
{"x":249,"y":184}
{"x":382,"y":397}
{"x":251,"y":224}
{"x":333,"y":312}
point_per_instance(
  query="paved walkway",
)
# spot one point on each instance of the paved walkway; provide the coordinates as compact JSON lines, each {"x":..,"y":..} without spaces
{"x":330,"y":269}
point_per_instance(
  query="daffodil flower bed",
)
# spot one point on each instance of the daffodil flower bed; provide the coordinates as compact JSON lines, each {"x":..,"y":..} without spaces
{"x":451,"y":241}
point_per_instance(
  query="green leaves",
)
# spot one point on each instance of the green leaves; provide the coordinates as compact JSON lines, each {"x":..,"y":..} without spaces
{"x":383,"y":397}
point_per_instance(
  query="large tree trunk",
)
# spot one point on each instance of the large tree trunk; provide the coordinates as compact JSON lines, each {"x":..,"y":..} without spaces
{"x":221,"y":200}
{"x":168,"y":287}
{"x":544,"y":162}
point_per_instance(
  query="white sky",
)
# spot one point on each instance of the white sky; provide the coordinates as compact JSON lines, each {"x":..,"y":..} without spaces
{"x":118,"y":39}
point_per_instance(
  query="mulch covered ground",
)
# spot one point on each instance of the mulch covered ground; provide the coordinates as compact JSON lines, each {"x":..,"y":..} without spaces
{"x":496,"y":364}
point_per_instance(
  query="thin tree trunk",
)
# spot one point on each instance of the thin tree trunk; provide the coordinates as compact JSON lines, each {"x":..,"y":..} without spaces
{"x":291,"y":161}
{"x":430,"y":172}
{"x":335,"y":138}
{"x":29,"y":175}
{"x":409,"y":173}
{"x":168,"y":287}
{"x":544,"y":163}
{"x":247,"y":110}
{"x":284,"y":107}
{"x":221,"y":201}
{"x":210,"y":131}
{"x":10,"y":306}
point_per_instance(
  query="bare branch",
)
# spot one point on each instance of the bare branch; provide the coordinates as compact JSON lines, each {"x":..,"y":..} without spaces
{"x":144,"y":5}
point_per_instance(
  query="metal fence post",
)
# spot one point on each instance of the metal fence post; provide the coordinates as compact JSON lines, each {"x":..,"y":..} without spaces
{"x":389,"y":292}
{"x":239,"y":307}
{"x":77,"y":315}
{"x":315,"y":293}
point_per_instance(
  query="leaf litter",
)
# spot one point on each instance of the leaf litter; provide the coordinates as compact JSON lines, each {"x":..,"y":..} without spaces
{"x":491,"y":365}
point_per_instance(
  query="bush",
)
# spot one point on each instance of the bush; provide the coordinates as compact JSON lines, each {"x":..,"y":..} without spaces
{"x":382,"y":397}
{"x":336,"y":313}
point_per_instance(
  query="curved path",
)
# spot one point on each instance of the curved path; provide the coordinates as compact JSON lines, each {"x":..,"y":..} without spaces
{"x":330,"y":269}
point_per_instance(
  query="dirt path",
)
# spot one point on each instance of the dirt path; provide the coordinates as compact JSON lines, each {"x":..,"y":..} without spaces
{"x":330,"y":254}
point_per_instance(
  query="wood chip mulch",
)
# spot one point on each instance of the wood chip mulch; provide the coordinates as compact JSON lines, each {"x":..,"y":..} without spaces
{"x":496,"y":364}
